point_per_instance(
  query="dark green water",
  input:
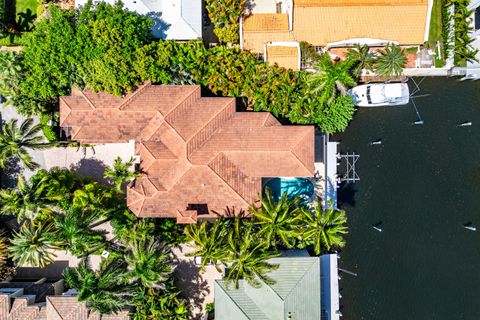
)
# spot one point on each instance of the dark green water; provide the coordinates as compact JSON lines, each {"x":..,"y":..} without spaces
{"x":423,"y":184}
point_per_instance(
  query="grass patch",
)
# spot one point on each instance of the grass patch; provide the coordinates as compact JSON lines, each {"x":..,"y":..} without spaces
{"x":24,"y":5}
{"x":435,"y":33}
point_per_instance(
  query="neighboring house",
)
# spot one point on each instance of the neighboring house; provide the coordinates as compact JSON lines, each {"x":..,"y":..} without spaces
{"x":198,"y":156}
{"x":42,"y":300}
{"x":306,"y":288}
{"x":173,"y":19}
{"x":331,"y":23}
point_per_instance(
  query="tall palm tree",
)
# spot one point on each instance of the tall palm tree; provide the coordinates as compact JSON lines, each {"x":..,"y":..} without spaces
{"x":120,"y":173}
{"x":148,"y":261}
{"x":208,"y":239}
{"x":278,"y":220}
{"x":324,"y":228}
{"x":246,"y":256}
{"x":391,"y":61}
{"x":331,"y":78}
{"x":15,"y":140}
{"x":28,"y":199}
{"x":102,"y":290}
{"x":33,"y":245}
{"x":364,"y":59}
{"x":74,"y":230}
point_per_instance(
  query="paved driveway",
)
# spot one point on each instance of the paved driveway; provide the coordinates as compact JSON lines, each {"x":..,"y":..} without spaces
{"x":86,"y":161}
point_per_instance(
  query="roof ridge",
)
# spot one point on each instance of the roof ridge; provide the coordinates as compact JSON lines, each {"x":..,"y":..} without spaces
{"x":197,"y":88}
{"x":235,"y":302}
{"x":90,"y":103}
{"x":295,"y":155}
{"x":303,"y":276}
{"x":61,"y":99}
{"x":134,"y":94}
{"x":227,"y":105}
{"x":220,"y":125}
{"x":226,"y":182}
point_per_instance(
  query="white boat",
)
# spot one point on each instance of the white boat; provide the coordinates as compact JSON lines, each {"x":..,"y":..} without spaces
{"x":380,"y":94}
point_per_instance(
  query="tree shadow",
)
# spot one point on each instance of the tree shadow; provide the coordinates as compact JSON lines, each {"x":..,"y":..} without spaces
{"x":11,"y":172}
{"x":90,"y":167}
{"x":25,"y":20}
{"x":189,"y":279}
{"x":346,"y":194}
{"x":160,"y":26}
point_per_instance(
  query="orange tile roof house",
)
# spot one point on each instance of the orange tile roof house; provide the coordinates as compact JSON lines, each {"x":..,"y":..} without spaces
{"x":198,"y":155}
{"x":43,"y":300}
{"x":330,"y":23}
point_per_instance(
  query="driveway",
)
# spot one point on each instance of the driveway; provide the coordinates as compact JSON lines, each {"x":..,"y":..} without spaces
{"x":87,"y":161}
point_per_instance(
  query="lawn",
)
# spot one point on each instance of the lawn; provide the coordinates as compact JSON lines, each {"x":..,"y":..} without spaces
{"x":436,"y":23}
{"x":24,"y":5}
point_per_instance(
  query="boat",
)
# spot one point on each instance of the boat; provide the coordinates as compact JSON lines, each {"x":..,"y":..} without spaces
{"x":380,"y":94}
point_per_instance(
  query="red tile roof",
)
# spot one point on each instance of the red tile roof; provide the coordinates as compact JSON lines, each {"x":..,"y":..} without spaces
{"x":198,"y":155}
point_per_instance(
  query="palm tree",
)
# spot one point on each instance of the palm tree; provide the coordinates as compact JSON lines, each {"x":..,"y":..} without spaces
{"x":14,"y":142}
{"x":364,"y":59}
{"x":391,"y":61}
{"x":246,"y":257}
{"x":331,"y":78}
{"x":208,"y":239}
{"x":148,"y":262}
{"x":278,"y":220}
{"x":102,"y":290}
{"x":324,"y":228}
{"x":28,"y":199}
{"x":33,"y":245}
{"x":120,"y":173}
{"x":3,"y":248}
{"x":74,"y":230}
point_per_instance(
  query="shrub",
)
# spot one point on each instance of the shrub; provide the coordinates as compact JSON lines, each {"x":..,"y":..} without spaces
{"x":47,"y":129}
{"x":225,"y":16}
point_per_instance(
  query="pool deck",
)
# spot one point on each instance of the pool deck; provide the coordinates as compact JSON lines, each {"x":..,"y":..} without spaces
{"x":326,"y":170}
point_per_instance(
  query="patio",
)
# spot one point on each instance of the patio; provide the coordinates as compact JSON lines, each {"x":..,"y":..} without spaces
{"x":196,"y":285}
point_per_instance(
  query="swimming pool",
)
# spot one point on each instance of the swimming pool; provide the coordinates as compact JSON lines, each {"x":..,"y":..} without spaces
{"x":294,"y":187}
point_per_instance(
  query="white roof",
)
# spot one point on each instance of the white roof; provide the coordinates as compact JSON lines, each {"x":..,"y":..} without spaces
{"x":173,"y":19}
{"x":393,"y":90}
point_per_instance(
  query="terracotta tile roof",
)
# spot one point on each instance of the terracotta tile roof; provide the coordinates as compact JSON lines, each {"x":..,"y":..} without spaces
{"x":357,"y":3}
{"x":320,"y":22}
{"x":265,"y":22}
{"x":283,"y":56}
{"x":404,"y":22}
{"x":261,"y":28}
{"x":198,"y":155}
{"x":56,"y":308}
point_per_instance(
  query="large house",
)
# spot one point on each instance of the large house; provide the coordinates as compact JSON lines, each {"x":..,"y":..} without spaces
{"x":275,"y":28}
{"x":172,"y":19}
{"x":305,"y":288}
{"x":197,"y":155}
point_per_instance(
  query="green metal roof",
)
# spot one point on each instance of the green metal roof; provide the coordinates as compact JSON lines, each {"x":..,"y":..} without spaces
{"x":296,"y":292}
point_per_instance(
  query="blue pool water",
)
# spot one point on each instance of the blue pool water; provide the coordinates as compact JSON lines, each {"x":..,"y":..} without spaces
{"x":294,"y":187}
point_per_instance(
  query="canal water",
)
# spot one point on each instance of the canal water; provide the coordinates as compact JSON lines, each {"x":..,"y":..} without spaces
{"x":419,"y":186}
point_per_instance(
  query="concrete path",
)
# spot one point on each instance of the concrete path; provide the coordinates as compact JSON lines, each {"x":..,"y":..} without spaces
{"x":196,"y":285}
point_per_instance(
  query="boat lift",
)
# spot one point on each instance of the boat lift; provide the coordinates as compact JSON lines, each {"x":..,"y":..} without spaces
{"x":350,"y":160}
{"x":415,"y":90}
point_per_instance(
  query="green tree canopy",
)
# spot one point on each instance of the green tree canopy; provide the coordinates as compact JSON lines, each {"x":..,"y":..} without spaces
{"x":391,"y":61}
{"x":102,"y":290}
{"x":33,"y":245}
{"x":120,"y":173}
